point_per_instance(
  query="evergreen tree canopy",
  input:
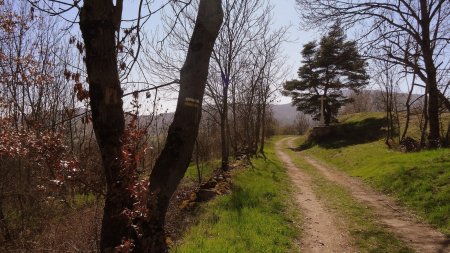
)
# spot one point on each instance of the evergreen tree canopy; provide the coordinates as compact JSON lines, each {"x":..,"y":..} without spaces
{"x":329,"y":68}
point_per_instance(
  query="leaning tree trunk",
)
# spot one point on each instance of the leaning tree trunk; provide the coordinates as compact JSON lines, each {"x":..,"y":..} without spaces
{"x":174,"y":159}
{"x":99,"y":20}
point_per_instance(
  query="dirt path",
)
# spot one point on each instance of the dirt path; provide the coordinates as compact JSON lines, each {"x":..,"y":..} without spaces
{"x":320,"y":234}
{"x":419,"y":236}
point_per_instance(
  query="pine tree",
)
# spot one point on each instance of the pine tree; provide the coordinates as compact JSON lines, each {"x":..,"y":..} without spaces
{"x":329,"y":69}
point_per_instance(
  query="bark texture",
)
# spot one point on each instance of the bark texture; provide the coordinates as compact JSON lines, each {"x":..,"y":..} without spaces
{"x":434,"y":137}
{"x":173,"y":161}
{"x":224,"y":133}
{"x":99,"y":20}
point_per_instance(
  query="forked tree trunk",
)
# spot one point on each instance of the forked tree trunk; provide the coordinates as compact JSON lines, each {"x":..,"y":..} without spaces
{"x":174,"y":159}
{"x":99,"y":20}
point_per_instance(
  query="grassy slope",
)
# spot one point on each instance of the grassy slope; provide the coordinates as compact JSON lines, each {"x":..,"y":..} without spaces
{"x":420,"y":180}
{"x":256,"y":217}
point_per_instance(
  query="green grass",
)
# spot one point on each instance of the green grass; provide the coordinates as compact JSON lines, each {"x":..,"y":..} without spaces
{"x":420,"y":180}
{"x":366,"y":233}
{"x":206,"y":169}
{"x":257,"y":216}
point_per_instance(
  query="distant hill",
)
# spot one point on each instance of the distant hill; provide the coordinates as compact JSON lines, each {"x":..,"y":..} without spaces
{"x":284,"y":114}
{"x":365,"y":101}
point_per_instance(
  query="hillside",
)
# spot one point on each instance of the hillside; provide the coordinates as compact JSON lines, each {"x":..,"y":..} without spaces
{"x":284,"y":114}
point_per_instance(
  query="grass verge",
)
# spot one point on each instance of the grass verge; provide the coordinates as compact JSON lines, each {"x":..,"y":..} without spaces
{"x":257,"y":216}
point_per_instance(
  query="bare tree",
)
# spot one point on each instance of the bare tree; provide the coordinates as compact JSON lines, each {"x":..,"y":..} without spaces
{"x":301,"y":123}
{"x":242,"y":26}
{"x":242,"y":74}
{"x":388,"y":78}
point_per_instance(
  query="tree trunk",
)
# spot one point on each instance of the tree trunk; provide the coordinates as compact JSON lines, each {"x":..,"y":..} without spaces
{"x":397,"y":119}
{"x":425,"y":119}
{"x":434,"y":136}
{"x":447,"y":136}
{"x":235,"y":130}
{"x":328,"y":114}
{"x":388,"y":118}
{"x":174,"y":159}
{"x":99,"y":20}
{"x":408,"y":110}
{"x":263,"y":129}
{"x":257,"y":128}
{"x":223,"y":129}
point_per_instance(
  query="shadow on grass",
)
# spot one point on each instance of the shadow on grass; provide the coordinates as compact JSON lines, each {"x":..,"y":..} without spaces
{"x":347,"y":134}
{"x":241,"y":198}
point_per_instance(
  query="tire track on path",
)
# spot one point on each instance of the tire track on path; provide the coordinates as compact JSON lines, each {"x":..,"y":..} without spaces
{"x":419,"y":236}
{"x":320,"y":232}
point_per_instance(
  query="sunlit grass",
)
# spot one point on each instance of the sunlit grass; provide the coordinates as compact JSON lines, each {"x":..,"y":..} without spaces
{"x":256,"y":217}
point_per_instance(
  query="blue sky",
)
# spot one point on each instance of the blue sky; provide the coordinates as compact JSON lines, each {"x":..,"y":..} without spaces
{"x":284,"y":14}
